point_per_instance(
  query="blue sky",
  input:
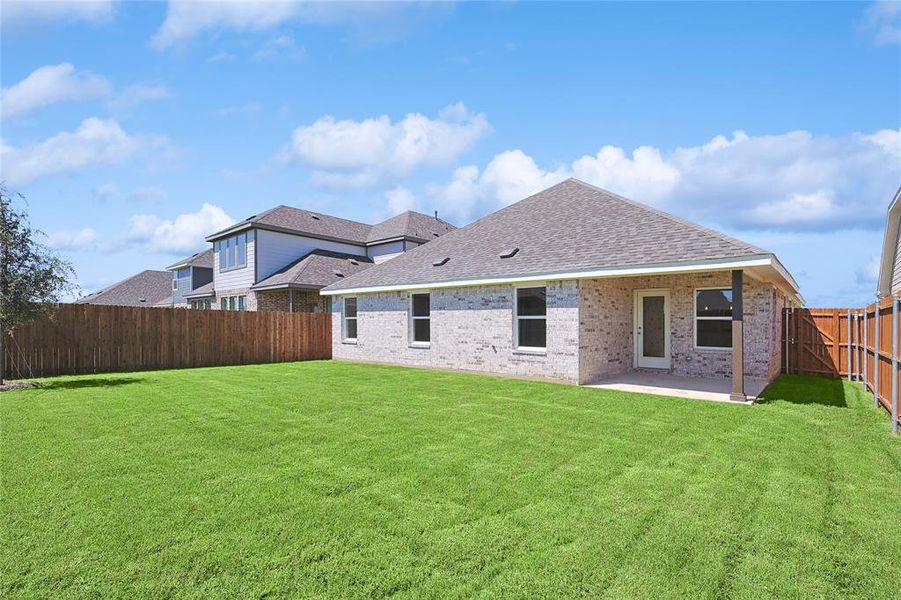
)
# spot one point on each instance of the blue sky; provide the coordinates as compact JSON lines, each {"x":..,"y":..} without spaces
{"x":134,"y":128}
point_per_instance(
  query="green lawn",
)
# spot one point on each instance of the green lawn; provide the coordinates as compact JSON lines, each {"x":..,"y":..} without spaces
{"x":334,"y":479}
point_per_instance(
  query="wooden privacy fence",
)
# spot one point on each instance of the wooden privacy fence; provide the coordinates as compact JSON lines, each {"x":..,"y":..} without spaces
{"x":87,"y":338}
{"x":860,"y":344}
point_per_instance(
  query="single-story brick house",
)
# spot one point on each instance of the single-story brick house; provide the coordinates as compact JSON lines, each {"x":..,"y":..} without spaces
{"x":575,"y":284}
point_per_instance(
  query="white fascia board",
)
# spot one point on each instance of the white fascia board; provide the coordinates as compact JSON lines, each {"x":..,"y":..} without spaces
{"x":660,"y":269}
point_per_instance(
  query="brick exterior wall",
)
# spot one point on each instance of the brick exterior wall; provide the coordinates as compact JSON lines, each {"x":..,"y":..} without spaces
{"x":471,"y":329}
{"x":589,"y":325}
{"x":606,"y":326}
{"x":280,"y":300}
{"x":251,"y":297}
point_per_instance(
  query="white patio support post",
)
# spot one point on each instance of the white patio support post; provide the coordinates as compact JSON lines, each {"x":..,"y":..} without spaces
{"x":738,"y":359}
{"x":876,"y":358}
{"x":895,"y":365}
{"x":849,"y":344}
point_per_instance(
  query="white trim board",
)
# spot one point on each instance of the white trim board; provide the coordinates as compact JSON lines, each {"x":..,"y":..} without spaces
{"x":755,"y":261}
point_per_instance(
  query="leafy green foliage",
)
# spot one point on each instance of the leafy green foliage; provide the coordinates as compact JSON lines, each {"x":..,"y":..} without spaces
{"x":32,"y":278}
{"x":335,"y":479}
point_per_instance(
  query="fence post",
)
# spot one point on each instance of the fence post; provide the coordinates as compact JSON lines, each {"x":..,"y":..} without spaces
{"x":864,"y":348}
{"x":877,"y":360}
{"x":849,"y":344}
{"x":894,"y":365}
{"x":787,"y":312}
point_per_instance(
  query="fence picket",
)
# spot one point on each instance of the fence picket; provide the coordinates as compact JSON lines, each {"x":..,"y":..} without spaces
{"x":87,"y":338}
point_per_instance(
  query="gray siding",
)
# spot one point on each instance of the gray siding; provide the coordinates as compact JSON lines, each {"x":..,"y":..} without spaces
{"x":241,"y":278}
{"x":184,"y":286}
{"x":896,"y":266}
{"x":275,"y":250}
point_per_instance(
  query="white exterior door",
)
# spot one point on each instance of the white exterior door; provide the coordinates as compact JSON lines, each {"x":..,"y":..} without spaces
{"x":652,"y":329}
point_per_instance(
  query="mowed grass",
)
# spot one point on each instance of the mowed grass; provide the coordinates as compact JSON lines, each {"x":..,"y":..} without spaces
{"x":331,"y":479}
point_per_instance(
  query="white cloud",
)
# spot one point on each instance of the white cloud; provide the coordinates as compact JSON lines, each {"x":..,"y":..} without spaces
{"x":790,"y":181}
{"x":51,"y":84}
{"x":184,"y":233}
{"x":105,"y":192}
{"x":139,"y":92}
{"x":187,"y":18}
{"x":869,"y":273}
{"x":883,"y":19}
{"x":96,"y":142}
{"x":399,"y":199}
{"x":283,"y":45}
{"x":349,"y":153}
{"x":82,"y":239}
{"x":17,"y":12}
{"x":369,"y":20}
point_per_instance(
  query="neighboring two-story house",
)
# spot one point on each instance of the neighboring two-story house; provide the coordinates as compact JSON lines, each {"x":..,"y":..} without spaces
{"x":190,"y":276}
{"x":281,"y":258}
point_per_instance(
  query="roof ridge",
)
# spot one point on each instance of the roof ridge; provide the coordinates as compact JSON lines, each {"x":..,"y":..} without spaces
{"x":308,"y":211}
{"x":670,"y":216}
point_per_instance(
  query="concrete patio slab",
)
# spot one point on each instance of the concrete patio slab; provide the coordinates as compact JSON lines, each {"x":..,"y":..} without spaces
{"x":662,"y":384}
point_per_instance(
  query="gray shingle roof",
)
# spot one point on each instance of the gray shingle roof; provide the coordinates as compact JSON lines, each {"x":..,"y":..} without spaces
{"x":204,"y":290}
{"x":571,"y":226}
{"x":303,"y":221}
{"x":152,"y":286}
{"x":316,"y":270}
{"x":199,"y":259}
{"x":409,"y":224}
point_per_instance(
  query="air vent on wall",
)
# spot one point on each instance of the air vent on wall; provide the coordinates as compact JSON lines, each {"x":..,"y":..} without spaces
{"x":509,"y":252}
{"x":441,"y":261}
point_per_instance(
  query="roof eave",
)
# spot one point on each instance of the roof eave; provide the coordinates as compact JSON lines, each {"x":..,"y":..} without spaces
{"x":284,"y":286}
{"x":288,"y":230}
{"x":889,"y":242}
{"x":718,"y":264}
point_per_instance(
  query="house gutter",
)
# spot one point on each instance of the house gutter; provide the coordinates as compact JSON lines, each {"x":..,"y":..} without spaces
{"x":765,"y":260}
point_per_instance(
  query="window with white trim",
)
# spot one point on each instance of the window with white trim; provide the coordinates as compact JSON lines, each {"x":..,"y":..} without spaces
{"x":713,"y":318}
{"x":350,"y":319}
{"x":242,"y":302}
{"x":174,"y":280}
{"x":420,"y":319}
{"x":531,"y":318}
{"x":223,"y":304}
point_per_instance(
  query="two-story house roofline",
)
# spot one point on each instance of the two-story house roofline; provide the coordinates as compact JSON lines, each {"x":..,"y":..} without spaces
{"x":288,"y":219}
{"x":189,"y":276}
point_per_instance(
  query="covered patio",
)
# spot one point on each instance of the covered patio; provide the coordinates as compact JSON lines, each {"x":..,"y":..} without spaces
{"x":681,"y":386}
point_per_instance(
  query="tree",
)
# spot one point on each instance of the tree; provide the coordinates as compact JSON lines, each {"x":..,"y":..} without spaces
{"x":32,"y":278}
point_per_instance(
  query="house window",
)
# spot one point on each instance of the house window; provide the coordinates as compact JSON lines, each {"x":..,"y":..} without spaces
{"x":223,"y":304}
{"x":350,"y":319}
{"x":231,"y":303}
{"x":420,"y":319}
{"x":242,"y":302}
{"x":713,"y":318}
{"x":531,"y":318}
{"x":233,"y":251}
{"x":174,"y":280}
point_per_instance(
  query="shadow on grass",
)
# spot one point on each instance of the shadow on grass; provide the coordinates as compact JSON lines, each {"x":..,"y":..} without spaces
{"x":800,"y":389}
{"x":93,"y":382}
